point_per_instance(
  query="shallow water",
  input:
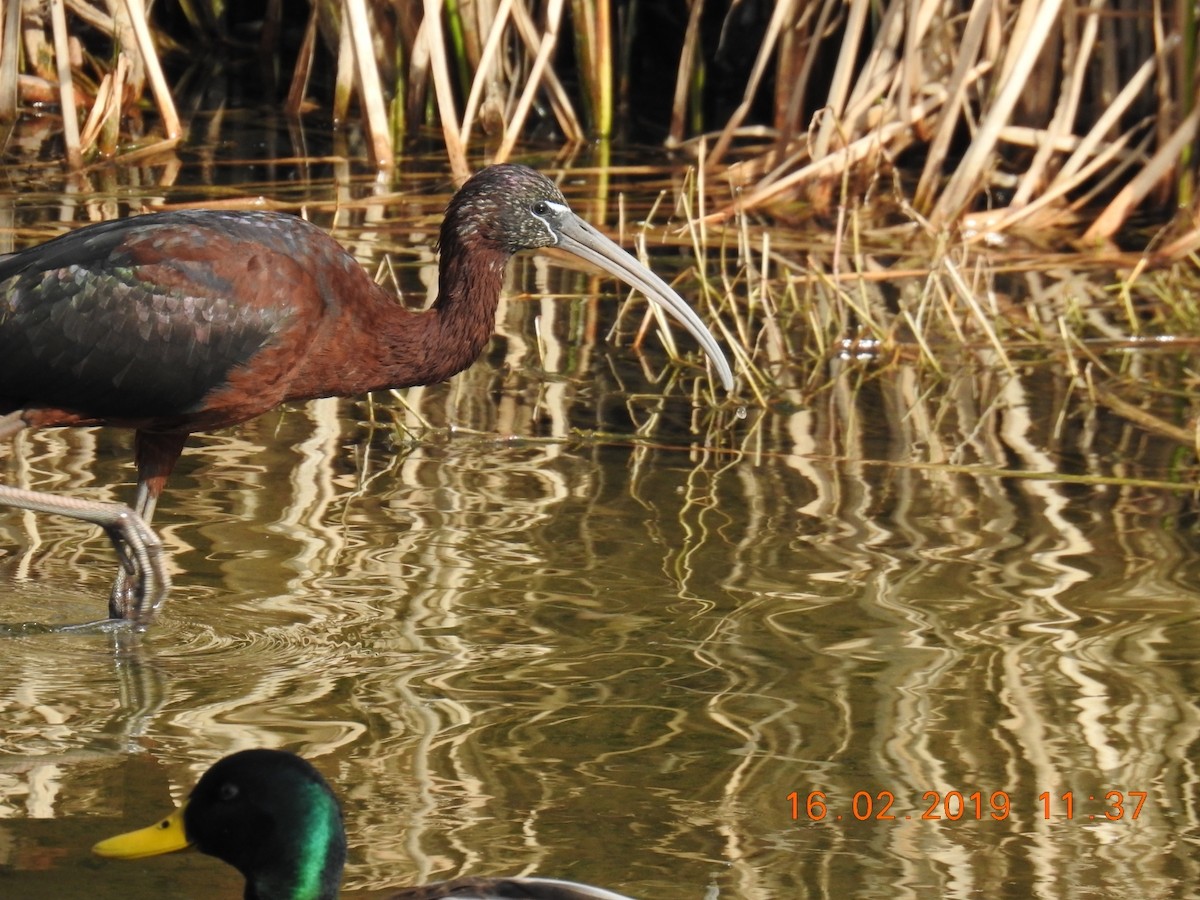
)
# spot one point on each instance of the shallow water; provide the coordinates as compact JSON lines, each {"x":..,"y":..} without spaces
{"x":583,"y":624}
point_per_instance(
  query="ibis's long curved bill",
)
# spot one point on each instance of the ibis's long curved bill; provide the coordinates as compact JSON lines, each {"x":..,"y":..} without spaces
{"x":578,"y":237}
{"x":165,"y":836}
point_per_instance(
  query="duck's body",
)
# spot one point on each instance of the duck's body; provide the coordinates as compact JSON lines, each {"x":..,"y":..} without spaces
{"x":475,"y":888}
{"x":274,"y":818}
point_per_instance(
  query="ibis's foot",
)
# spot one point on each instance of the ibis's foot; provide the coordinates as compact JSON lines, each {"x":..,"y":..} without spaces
{"x":125,"y":598}
{"x":142,"y":580}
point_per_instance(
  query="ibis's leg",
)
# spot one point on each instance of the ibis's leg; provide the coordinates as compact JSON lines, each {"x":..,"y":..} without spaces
{"x":156,"y":455}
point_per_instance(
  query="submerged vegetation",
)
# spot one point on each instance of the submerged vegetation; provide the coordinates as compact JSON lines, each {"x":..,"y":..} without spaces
{"x":870,"y":184}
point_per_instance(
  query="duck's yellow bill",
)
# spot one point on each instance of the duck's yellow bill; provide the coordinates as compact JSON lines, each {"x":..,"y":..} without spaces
{"x":166,"y":836}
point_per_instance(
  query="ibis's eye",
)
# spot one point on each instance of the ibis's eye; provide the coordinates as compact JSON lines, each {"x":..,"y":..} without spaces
{"x":541,"y":208}
{"x":228,"y":791}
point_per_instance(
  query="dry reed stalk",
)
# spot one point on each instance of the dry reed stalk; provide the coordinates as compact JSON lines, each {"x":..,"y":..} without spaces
{"x":593,"y":45}
{"x":434,"y":45}
{"x":913,"y":60}
{"x":154,"y":151}
{"x":560,"y":101}
{"x":10,"y":53}
{"x":370,"y":91}
{"x":894,"y":134}
{"x":796,"y":63}
{"x":1068,"y":102}
{"x":958,"y":86}
{"x":1140,"y":417}
{"x":1165,"y":121}
{"x":1070,"y":172}
{"x":106,"y":107}
{"x":1187,"y":244}
{"x":1003,"y":219}
{"x":884,"y":77}
{"x":119,"y":27}
{"x":158,"y":82}
{"x":784,"y":10}
{"x":94,"y":17}
{"x":343,"y":85}
{"x":66,"y":84}
{"x":1111,"y":179}
{"x":1158,"y":168}
{"x":1186,"y":75}
{"x":1014,"y":75}
{"x":840,"y":82}
{"x":304,"y":63}
{"x":687,"y":60}
{"x":549,"y":41}
{"x":604,"y":75}
{"x":485,"y":70}
{"x":108,"y":141}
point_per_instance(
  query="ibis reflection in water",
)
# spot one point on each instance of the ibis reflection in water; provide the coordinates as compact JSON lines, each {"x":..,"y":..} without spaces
{"x":186,"y":321}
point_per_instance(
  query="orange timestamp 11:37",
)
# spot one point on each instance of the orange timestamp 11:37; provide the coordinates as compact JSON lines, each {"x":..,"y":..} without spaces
{"x":955,"y":805}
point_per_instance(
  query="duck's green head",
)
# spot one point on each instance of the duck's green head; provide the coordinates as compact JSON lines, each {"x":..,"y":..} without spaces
{"x":267,"y":813}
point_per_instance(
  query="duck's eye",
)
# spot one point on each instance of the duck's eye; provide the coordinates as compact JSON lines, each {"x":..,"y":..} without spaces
{"x":541,"y":208}
{"x":228,"y":791}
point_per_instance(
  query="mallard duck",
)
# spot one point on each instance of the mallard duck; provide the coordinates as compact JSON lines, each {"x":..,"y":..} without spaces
{"x":271,"y":816}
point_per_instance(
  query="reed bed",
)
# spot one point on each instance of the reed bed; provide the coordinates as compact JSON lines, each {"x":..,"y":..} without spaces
{"x":998,"y":115}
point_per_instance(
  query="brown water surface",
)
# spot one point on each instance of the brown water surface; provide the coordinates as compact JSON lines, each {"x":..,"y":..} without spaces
{"x":568,"y":618}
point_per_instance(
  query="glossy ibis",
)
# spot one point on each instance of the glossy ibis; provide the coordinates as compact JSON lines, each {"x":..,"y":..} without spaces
{"x":271,"y":816}
{"x":186,"y":321}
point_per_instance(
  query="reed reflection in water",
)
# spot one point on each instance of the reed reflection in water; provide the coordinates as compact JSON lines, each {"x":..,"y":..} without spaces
{"x":616,"y":663}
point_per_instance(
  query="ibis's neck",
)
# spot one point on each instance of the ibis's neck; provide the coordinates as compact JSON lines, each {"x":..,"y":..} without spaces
{"x":378,"y":344}
{"x":463,"y":318}
{"x":428,"y":347}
